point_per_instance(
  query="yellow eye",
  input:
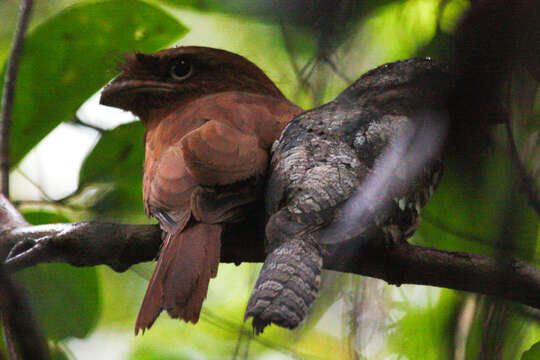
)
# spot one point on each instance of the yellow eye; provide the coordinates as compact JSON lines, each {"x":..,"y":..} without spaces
{"x":181,"y":69}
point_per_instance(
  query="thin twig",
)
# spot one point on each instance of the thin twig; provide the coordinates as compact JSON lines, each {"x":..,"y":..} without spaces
{"x":9,"y":91}
{"x":8,"y":96}
{"x":337,"y":71}
{"x":231,"y":327}
{"x":529,"y":313}
{"x":9,"y":338}
{"x":36,"y":185}
{"x":289,"y":48}
{"x":77,"y":121}
{"x":527,"y":182}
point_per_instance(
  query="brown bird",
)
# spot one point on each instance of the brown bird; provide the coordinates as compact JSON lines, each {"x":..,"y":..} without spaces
{"x":210,"y":117}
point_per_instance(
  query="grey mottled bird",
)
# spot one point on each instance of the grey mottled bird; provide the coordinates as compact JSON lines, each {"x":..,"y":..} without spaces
{"x":354,"y":172}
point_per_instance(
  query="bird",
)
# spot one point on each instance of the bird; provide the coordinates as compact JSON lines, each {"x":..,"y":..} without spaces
{"x":210,"y":118}
{"x":352,"y":173}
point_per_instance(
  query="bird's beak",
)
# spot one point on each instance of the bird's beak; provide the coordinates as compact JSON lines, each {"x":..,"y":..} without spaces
{"x":121,"y":92}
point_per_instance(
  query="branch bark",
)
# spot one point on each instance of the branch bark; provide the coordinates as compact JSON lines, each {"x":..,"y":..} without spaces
{"x":121,"y":246}
{"x":21,"y":332}
{"x":20,"y":327}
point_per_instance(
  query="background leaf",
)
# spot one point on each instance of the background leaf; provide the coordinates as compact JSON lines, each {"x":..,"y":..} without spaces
{"x":533,"y":353}
{"x":66,"y":299}
{"x":117,"y":161}
{"x":73,"y":54}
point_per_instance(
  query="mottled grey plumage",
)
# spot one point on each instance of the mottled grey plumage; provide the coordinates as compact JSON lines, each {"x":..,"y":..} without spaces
{"x":321,"y":159}
{"x":287,"y":285}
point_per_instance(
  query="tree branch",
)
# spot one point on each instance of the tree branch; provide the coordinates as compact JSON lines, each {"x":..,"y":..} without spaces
{"x":121,"y":246}
{"x":9,"y":91}
{"x":21,"y":331}
{"x":19,"y":323}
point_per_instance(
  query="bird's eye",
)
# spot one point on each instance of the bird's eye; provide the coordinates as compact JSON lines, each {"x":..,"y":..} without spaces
{"x":181,"y":69}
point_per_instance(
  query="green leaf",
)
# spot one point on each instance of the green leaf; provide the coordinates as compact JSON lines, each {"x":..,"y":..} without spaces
{"x":66,"y":299}
{"x":119,"y":154}
{"x":72,"y":55}
{"x":44,"y":217}
{"x":155,"y":354}
{"x":118,"y":160}
{"x":265,"y":10}
{"x":58,"y":354}
{"x":471,"y":210}
{"x":533,"y":353}
{"x":301,"y":19}
{"x":422,"y":333}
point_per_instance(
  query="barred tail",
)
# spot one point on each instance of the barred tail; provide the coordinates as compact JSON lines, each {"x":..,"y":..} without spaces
{"x":287,"y":286}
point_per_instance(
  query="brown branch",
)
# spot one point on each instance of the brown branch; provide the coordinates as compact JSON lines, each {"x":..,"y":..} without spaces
{"x":21,"y":332}
{"x":19,"y":324}
{"x":11,"y":331}
{"x":83,"y":244}
{"x":409,"y":264}
{"x":120,"y":246}
{"x":9,"y":91}
{"x":20,"y":329}
{"x":10,"y":217}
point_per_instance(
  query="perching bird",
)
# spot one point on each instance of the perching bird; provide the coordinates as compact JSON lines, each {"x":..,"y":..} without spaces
{"x":355,"y":172}
{"x":210,"y":117}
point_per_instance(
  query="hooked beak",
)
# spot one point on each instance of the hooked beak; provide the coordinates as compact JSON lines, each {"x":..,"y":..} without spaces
{"x":121,"y":92}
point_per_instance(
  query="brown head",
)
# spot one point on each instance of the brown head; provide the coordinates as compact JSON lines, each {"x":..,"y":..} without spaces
{"x":157,"y":82}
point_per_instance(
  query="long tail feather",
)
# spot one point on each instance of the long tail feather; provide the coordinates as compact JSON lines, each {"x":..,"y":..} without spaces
{"x":180,"y":281}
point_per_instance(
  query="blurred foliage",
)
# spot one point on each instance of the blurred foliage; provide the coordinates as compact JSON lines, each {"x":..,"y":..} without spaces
{"x":71,"y":52}
{"x":72,"y":55}
{"x":58,"y":354}
{"x":424,"y":332}
{"x":9,"y":9}
{"x":66,"y":300}
{"x":117,"y":162}
{"x":533,"y":353}
{"x":477,"y":205}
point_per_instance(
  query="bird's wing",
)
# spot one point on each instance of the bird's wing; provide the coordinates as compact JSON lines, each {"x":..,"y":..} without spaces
{"x":167,"y":190}
{"x":195,"y":159}
{"x":218,"y":154}
{"x":253,"y":114}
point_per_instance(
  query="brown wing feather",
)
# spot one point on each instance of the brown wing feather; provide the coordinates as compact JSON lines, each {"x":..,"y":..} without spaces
{"x":230,"y":205}
{"x":254,"y":114}
{"x":218,"y":154}
{"x":257,"y":119}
